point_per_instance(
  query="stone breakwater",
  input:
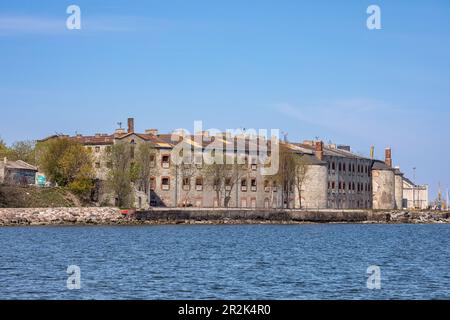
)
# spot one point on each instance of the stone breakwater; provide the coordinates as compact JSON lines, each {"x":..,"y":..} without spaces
{"x":113,"y":216}
{"x":232,"y":216}
{"x":60,"y":216}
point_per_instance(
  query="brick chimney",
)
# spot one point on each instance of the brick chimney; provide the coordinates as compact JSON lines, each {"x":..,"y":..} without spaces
{"x":319,"y":150}
{"x":130,"y":125}
{"x":388,"y":157}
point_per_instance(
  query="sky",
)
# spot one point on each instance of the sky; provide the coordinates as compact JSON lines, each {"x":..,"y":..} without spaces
{"x":309,"y":68}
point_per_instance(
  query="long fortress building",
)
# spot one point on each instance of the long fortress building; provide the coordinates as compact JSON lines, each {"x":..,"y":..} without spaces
{"x":334,"y":176}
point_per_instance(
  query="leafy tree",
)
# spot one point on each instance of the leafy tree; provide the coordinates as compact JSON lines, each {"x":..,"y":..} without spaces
{"x":67,"y":163}
{"x":24,"y":150}
{"x":145,"y":166}
{"x":121,"y":174}
{"x":286,"y":176}
{"x":223,"y":177}
{"x":300,"y":174}
{"x":4,"y":150}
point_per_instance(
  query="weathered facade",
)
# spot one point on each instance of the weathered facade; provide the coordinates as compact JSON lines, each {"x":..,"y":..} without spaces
{"x":414,"y":196}
{"x":17,"y":172}
{"x":334,"y":176}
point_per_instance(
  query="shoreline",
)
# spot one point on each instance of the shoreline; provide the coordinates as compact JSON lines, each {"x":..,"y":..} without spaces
{"x":108,"y":216}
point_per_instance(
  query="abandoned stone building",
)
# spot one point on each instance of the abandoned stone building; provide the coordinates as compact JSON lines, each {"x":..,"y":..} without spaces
{"x":335,"y":178}
{"x":17,"y":172}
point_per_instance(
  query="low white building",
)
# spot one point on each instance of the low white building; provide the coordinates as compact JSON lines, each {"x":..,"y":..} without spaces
{"x":414,"y":196}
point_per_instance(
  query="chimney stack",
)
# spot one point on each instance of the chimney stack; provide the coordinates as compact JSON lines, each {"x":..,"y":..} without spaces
{"x":319,"y":150}
{"x":130,"y":125}
{"x":5,"y":160}
{"x":152,"y":131}
{"x":388,"y":157}
{"x":372,"y":152}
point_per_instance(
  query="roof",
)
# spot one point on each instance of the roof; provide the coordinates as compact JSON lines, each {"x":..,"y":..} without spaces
{"x":329,"y":151}
{"x":18,"y":165}
{"x":103,"y":139}
{"x":380,"y":165}
{"x":153,"y":139}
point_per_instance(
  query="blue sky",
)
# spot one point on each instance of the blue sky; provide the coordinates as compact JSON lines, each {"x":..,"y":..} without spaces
{"x":310,"y":68}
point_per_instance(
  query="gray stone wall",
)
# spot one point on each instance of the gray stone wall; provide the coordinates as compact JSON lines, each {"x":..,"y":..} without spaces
{"x":398,"y":191}
{"x":314,"y":191}
{"x":383,"y":183}
{"x":350,"y":183}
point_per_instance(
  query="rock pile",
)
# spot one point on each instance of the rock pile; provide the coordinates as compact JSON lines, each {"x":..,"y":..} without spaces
{"x":55,"y":216}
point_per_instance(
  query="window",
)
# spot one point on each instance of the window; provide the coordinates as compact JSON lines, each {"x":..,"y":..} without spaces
{"x":228,"y":184}
{"x":152,"y":183}
{"x":216,"y":184}
{"x":109,"y":165}
{"x":108,"y":149}
{"x":97,"y":165}
{"x":266,"y":186}
{"x":340,"y":166}
{"x":253,"y":184}
{"x":333,"y":185}
{"x":244,"y":185}
{"x":199,"y":184}
{"x":165,"y":183}
{"x":253,"y":165}
{"x":333,"y":166}
{"x":165,"y":161}
{"x":97,"y":149}
{"x":344,"y":167}
{"x":186,"y":184}
{"x":152,"y":160}
{"x":274,"y":186}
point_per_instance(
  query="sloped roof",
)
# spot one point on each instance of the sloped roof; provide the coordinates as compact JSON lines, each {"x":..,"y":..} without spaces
{"x":18,"y":165}
{"x":380,"y":165}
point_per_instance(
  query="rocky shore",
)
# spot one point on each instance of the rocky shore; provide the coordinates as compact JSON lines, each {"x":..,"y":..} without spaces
{"x":60,"y":216}
{"x":113,"y":216}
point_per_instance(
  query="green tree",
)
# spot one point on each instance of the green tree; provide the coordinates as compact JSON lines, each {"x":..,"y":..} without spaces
{"x":4,"y":150}
{"x":67,"y":163}
{"x":145,"y":166}
{"x":23,"y":150}
{"x":121,"y":174}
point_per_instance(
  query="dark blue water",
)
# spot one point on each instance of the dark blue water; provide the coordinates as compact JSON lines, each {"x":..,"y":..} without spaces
{"x":226,"y":262}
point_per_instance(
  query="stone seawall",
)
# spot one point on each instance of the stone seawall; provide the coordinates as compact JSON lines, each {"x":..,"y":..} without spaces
{"x":60,"y":216}
{"x":113,"y":216}
{"x":256,"y":216}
